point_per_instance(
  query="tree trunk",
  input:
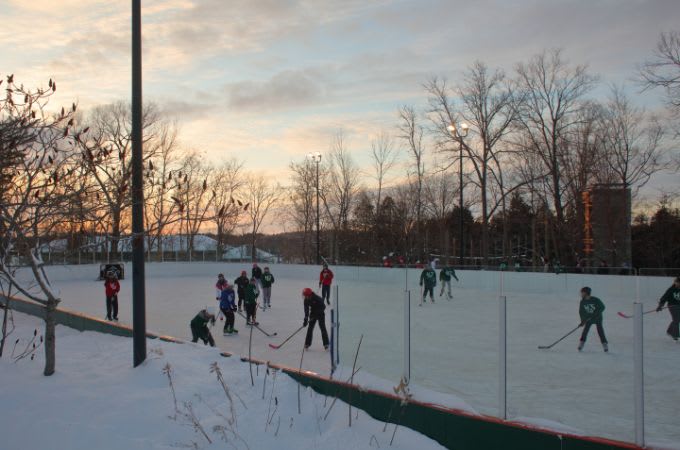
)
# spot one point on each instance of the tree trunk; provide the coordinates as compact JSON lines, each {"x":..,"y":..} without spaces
{"x":50,"y":339}
{"x":4,"y":325}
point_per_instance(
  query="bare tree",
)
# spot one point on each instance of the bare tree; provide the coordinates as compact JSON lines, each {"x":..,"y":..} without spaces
{"x":552,"y":93}
{"x":108,"y":152}
{"x":226,"y":181}
{"x":36,"y":191}
{"x":631,"y":141}
{"x":663,"y":70}
{"x":303,"y":197}
{"x":339,"y":190}
{"x":193,"y":197}
{"x":383,"y":159}
{"x":412,"y":133}
{"x":260,"y":197}
{"x":488,"y":106}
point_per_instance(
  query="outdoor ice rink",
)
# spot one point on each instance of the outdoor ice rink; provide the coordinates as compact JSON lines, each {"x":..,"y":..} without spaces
{"x":454,"y":347}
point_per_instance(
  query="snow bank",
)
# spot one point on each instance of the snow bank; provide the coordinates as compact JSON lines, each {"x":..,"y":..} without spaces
{"x":97,"y":400}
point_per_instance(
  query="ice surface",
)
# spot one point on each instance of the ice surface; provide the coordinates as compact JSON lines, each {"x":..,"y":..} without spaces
{"x":454,"y":347}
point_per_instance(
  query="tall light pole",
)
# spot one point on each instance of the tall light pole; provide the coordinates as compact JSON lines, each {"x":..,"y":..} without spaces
{"x":138,"y":281}
{"x":458,"y":134}
{"x":316,"y":157}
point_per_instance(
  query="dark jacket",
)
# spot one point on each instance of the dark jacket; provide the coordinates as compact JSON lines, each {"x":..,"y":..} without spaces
{"x":429,"y":277}
{"x":671,"y":296}
{"x":314,"y":307}
{"x":251,"y":294}
{"x":590,"y":310}
{"x":201,"y":320}
{"x":241,"y":283}
{"x":267,"y":279}
{"x":256,"y":273}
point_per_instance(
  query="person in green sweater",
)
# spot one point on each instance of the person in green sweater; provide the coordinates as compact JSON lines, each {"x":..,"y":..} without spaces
{"x":590,"y":310}
{"x":429,"y":278}
{"x":250,"y":302}
{"x":267,"y":280}
{"x":199,"y":327}
{"x":445,"y":277}
{"x":672,"y":298}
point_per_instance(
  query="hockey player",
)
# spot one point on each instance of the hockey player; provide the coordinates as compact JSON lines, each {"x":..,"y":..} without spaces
{"x":241,"y":283}
{"x":267,"y":280}
{"x":199,"y":327}
{"x":111,"y":287}
{"x":250,"y":302}
{"x":219,"y":286}
{"x":590,"y":310}
{"x":672,"y":298}
{"x":257,"y":274}
{"x":228,"y":306}
{"x":325,"y":280}
{"x":314,"y":312}
{"x":445,"y":277}
{"x":429,"y":278}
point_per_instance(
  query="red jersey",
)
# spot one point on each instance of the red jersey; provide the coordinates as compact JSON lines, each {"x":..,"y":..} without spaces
{"x":326,"y":277}
{"x":112,"y":287}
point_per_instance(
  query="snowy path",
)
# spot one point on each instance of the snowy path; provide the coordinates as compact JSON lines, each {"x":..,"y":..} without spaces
{"x":454,"y":344}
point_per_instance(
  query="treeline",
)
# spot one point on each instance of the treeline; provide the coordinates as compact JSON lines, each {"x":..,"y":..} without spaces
{"x":531,"y":141}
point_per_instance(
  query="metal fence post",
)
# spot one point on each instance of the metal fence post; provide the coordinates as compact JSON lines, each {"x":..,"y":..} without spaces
{"x":336,"y":307}
{"x":639,"y":381}
{"x":407,"y":337}
{"x":502,"y":358}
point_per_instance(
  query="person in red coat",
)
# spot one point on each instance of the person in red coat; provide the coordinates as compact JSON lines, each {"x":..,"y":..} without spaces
{"x":325,"y":280}
{"x":112,"y":287}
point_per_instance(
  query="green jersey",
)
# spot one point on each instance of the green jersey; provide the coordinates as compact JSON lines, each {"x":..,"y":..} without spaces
{"x":251,"y":294}
{"x":429,"y":277}
{"x":590,"y":310}
{"x":671,"y":296}
{"x":267,"y":280}
{"x":446,"y":273}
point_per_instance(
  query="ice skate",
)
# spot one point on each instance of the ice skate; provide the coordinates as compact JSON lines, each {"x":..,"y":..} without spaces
{"x":605,"y":347}
{"x":580,"y":345}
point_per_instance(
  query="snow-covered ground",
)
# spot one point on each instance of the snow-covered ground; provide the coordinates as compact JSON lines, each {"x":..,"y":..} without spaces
{"x":454,"y":348}
{"x":96,"y":400}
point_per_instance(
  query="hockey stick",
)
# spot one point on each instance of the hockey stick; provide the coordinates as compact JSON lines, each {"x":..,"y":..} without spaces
{"x":257,"y":326}
{"x":544,"y":347}
{"x":276,"y":347}
{"x":627,"y":316}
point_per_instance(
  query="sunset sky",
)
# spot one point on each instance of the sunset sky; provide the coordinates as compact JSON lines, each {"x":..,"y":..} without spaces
{"x":269,"y":81}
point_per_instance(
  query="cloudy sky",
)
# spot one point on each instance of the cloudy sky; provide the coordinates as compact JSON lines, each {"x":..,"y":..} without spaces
{"x":269,"y":81}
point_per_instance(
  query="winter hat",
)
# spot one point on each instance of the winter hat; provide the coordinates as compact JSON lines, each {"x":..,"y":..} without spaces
{"x":266,"y":269}
{"x":243,"y":272}
{"x":307,"y":292}
{"x":220,"y":275}
{"x":586,"y":289}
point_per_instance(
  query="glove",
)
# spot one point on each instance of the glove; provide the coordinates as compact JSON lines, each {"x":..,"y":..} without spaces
{"x":212,"y":320}
{"x":582,"y":323}
{"x":304,"y":324}
{"x":319,"y":285}
{"x":234,"y":308}
{"x":659,"y":308}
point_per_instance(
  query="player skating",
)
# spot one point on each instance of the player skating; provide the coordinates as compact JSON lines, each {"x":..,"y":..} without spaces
{"x":241,"y":283}
{"x":199,"y":327}
{"x":325,"y":280}
{"x":219,"y":286}
{"x":445,"y":276}
{"x":590,"y":310}
{"x":428,"y":278}
{"x":250,"y":302}
{"x":257,"y":274}
{"x":314,"y":313}
{"x":112,"y":288}
{"x":228,"y":306}
{"x":267,"y":280}
{"x":672,"y":298}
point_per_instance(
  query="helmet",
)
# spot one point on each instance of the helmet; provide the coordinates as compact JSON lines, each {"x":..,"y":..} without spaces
{"x":307,"y":292}
{"x":586,"y":289}
{"x":220,"y":275}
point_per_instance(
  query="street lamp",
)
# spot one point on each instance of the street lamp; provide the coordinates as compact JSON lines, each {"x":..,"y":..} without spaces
{"x":316,"y":157}
{"x":458,"y":133}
